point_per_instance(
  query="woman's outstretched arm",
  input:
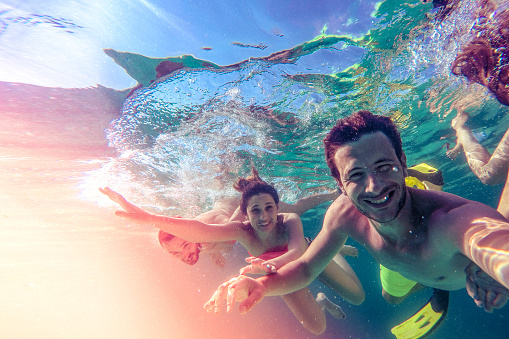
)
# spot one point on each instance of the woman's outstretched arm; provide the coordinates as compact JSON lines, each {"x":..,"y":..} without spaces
{"x":188,"y":229}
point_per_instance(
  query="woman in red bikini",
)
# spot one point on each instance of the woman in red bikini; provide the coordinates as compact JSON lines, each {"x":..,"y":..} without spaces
{"x":272,"y":238}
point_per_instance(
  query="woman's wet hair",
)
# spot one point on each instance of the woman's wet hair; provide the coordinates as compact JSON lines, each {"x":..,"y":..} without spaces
{"x":251,"y":186}
{"x":485,"y":60}
{"x":352,"y":128}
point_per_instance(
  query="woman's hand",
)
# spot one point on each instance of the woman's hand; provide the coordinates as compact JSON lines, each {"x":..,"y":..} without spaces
{"x":131,"y":211}
{"x":246,"y":290}
{"x":258,"y":266}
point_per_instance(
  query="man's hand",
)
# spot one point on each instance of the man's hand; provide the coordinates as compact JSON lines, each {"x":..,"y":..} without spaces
{"x":246,"y":290}
{"x":486,"y":291}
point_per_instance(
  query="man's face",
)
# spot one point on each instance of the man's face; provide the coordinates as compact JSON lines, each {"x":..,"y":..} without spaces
{"x":372,"y":176}
{"x":186,"y":251}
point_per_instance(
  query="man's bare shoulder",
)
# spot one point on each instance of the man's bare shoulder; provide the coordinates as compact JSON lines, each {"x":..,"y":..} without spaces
{"x":449,"y":214}
{"x":341,"y":214}
{"x":447,"y":205}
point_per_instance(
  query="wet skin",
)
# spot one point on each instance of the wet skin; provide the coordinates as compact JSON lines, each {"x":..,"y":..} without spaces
{"x":262,"y":213}
{"x":183,"y":250}
{"x":373,"y":179}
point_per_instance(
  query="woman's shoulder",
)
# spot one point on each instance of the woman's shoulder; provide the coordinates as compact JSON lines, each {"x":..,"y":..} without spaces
{"x":285,"y":217}
{"x":289,"y":221}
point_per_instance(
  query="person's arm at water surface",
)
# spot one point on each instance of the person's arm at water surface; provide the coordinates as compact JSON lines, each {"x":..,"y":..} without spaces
{"x":305,"y":204}
{"x":189,"y":229}
{"x":482,"y":234}
{"x":299,"y":207}
{"x":291,"y":277}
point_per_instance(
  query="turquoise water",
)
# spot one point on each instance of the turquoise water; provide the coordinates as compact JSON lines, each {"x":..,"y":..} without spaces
{"x":268,"y":99}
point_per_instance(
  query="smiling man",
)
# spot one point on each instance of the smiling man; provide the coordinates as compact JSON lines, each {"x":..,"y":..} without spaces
{"x":434,"y":238}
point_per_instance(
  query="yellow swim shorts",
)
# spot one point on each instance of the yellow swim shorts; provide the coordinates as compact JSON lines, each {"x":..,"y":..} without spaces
{"x":394,"y":283}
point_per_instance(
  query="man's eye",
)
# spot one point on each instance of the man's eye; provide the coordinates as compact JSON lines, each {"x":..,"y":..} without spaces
{"x":355,"y":176}
{"x":384,"y":168}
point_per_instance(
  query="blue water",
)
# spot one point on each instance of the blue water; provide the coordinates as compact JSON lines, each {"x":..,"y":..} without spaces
{"x":179,"y":141}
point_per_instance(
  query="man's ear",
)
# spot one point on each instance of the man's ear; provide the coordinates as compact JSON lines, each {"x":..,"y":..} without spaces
{"x":403,"y":164}
{"x":340,"y":185}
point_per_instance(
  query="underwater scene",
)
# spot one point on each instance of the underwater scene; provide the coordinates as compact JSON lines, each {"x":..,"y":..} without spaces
{"x":169,"y":102}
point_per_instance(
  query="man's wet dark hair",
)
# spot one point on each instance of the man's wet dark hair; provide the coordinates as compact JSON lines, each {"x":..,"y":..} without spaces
{"x":353,"y":127}
{"x":251,"y":186}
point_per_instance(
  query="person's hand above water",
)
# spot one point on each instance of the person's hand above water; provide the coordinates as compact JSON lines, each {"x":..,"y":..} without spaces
{"x":131,"y":211}
{"x":243,"y":289}
{"x":486,"y":291}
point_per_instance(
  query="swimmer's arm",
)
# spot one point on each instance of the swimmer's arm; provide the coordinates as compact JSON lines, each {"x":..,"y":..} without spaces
{"x":482,"y":235}
{"x":296,"y":242}
{"x":300,"y":207}
{"x":305,"y":204}
{"x":291,"y":277}
{"x":188,"y":229}
{"x":296,"y":247}
{"x":301,"y":272}
{"x":338,"y":274}
{"x":238,"y":216}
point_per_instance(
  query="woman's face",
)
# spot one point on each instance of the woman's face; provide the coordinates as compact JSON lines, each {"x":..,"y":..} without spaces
{"x":187,"y":252}
{"x":262,"y":212}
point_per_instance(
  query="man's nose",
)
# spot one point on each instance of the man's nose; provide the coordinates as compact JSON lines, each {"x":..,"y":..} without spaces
{"x":374,"y":183}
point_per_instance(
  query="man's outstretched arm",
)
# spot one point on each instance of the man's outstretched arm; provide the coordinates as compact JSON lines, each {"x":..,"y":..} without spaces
{"x":482,"y":235}
{"x":289,"y":278}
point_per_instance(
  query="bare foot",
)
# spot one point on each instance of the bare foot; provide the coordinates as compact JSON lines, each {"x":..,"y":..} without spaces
{"x":459,"y":120}
{"x":333,"y":309}
{"x":457,"y":123}
{"x":349,"y":250}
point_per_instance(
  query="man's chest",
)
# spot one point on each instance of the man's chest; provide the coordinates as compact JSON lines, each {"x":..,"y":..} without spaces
{"x":428,"y":260}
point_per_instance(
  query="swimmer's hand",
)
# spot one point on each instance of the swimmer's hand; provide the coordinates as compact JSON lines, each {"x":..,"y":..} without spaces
{"x":486,"y":291}
{"x":258,"y":266}
{"x":131,"y":211}
{"x":246,"y":290}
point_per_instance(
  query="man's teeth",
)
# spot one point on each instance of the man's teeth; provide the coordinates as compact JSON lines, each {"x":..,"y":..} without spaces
{"x":380,"y":201}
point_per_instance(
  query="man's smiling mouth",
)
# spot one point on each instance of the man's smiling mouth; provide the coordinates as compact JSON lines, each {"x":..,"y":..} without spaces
{"x":382,"y":201}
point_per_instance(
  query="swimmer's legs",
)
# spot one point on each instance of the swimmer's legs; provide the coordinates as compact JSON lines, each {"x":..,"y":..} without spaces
{"x":396,"y":300}
{"x":333,"y":309}
{"x":490,"y":169}
{"x":309,"y":313}
{"x":458,"y":123}
{"x":340,"y":277}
